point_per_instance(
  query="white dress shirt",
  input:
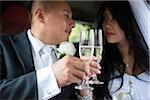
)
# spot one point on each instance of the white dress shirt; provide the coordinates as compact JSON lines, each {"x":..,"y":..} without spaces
{"x":46,"y":81}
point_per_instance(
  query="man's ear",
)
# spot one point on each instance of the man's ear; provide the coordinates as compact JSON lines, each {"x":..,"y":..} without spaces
{"x":40,"y":15}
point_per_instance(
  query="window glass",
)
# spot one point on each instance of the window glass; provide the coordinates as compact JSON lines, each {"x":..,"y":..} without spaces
{"x":79,"y":26}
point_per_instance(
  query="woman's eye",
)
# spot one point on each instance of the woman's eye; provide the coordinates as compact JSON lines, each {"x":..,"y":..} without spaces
{"x":114,"y":18}
{"x":104,"y":18}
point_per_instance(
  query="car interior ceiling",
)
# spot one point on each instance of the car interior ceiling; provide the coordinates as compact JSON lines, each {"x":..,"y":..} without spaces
{"x":83,"y":10}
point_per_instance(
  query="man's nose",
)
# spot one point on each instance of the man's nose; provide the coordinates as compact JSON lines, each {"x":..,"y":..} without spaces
{"x":72,"y":23}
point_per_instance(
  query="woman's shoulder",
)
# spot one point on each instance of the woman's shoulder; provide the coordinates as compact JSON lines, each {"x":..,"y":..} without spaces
{"x":142,"y":77}
{"x":145,"y":76}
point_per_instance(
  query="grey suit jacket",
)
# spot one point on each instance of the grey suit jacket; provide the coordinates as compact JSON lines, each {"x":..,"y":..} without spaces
{"x":17,"y":73}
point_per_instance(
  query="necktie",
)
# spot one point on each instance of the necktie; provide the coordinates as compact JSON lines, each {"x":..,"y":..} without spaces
{"x":53,"y":55}
{"x":48,"y":56}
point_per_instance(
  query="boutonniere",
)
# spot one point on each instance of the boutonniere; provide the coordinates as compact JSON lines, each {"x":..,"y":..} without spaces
{"x":65,"y":48}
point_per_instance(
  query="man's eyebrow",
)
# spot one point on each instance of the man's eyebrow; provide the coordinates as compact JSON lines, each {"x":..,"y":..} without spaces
{"x":68,"y":11}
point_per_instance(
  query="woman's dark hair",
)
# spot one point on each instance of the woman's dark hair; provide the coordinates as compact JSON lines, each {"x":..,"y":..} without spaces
{"x":112,"y":59}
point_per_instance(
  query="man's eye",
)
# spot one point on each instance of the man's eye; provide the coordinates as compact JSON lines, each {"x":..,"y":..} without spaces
{"x":67,"y":15}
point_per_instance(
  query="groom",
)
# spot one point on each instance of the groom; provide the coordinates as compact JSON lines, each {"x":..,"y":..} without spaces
{"x":23,"y":73}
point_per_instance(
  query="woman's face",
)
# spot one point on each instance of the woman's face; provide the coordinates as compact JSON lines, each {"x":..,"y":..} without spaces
{"x":111,"y":28}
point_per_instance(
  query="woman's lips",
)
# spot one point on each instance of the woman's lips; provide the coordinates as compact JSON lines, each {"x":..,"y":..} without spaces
{"x":109,"y":33}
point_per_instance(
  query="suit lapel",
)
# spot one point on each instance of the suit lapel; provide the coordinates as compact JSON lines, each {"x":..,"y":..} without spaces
{"x":22,"y":48}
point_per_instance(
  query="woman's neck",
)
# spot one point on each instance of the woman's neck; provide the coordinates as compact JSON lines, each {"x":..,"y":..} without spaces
{"x":123,"y":48}
{"x":127,"y":56}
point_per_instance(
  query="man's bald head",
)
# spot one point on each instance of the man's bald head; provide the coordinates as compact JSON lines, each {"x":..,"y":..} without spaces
{"x":51,"y":19}
{"x":45,"y":5}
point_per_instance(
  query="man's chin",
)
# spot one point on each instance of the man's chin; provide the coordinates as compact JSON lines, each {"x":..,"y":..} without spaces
{"x":63,"y":41}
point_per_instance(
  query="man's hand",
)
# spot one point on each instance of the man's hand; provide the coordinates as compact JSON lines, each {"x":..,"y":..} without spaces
{"x":71,"y":69}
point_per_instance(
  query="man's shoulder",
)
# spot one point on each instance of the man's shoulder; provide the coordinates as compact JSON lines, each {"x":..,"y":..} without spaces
{"x":4,"y":37}
{"x":7,"y":37}
{"x":21,"y":34}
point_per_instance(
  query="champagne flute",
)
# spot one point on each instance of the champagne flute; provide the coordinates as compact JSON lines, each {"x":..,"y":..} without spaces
{"x":86,"y":49}
{"x":98,"y":48}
